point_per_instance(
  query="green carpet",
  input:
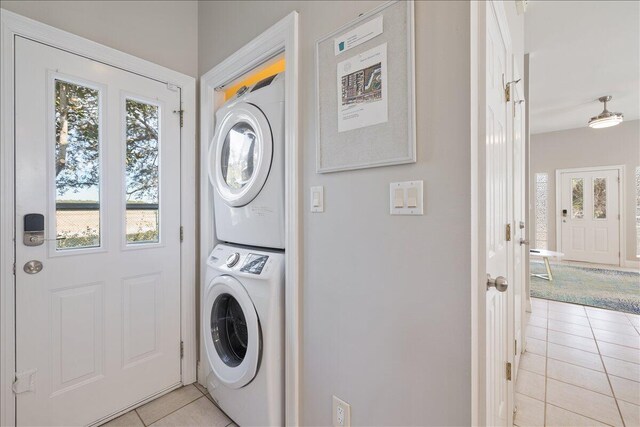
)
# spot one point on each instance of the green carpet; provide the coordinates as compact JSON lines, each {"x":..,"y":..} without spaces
{"x":614,"y":290}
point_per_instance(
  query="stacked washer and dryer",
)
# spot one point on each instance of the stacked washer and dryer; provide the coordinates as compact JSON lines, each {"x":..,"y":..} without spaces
{"x":243,"y":304}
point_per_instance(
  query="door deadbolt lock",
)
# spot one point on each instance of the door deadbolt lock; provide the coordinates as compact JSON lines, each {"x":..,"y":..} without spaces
{"x":33,"y":267}
{"x":33,"y":230}
{"x":500,"y":283}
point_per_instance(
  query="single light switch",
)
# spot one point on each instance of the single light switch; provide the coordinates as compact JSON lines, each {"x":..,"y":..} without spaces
{"x":412,"y":197}
{"x":406,"y":198}
{"x":317,"y":199}
{"x":398,"y":200}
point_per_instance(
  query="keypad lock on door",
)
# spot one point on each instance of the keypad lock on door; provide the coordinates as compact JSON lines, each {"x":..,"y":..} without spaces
{"x":33,"y":230}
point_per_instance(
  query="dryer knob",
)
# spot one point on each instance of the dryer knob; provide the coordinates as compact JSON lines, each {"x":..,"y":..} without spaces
{"x":233,"y":259}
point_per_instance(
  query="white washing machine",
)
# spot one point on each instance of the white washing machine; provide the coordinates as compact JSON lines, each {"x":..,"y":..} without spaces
{"x":246,"y":166}
{"x":243,"y":325}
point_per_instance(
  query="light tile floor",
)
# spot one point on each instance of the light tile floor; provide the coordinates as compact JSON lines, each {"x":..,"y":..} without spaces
{"x":187,"y":406}
{"x":581,"y":367}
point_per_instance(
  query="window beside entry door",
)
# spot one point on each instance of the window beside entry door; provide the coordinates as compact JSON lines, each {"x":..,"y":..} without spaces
{"x":638,"y":212}
{"x":142,"y":192}
{"x":77,"y":165}
{"x":542,"y":194}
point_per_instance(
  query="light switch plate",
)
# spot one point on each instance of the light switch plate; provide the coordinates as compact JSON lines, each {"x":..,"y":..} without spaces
{"x":317,"y":199}
{"x":413,"y":198}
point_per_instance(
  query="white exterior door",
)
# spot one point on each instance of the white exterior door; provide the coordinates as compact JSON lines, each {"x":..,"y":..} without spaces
{"x":589,"y":215}
{"x":97,"y":169}
{"x":498,"y":176}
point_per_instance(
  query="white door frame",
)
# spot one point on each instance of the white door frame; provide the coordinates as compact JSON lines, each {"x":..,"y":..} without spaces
{"x":478,"y":279}
{"x":281,"y":37}
{"x":622,"y":240}
{"x":12,"y":25}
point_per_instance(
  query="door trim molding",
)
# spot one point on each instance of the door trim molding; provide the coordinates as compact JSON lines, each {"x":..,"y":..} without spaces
{"x":12,"y":25}
{"x":622,"y":235}
{"x":281,"y":37}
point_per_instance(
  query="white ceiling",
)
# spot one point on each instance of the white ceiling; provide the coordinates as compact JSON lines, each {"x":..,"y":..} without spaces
{"x":579,"y":51}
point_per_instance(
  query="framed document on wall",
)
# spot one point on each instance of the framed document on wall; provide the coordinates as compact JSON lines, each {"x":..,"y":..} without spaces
{"x":365,"y":91}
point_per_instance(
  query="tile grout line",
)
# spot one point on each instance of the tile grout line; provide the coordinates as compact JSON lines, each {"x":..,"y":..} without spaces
{"x":613,"y":393}
{"x":139,"y":417}
{"x":546,"y":364}
{"x":597,"y":329}
{"x":582,"y":415}
{"x":177,"y":409}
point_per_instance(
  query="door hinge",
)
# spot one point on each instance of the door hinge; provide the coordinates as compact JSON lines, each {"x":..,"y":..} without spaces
{"x":181,"y":349}
{"x":507,"y":233}
{"x":507,"y":88}
{"x":508,"y":371}
{"x":181,"y":112}
{"x":14,"y":268}
{"x":515,"y":347}
{"x":181,"y":233}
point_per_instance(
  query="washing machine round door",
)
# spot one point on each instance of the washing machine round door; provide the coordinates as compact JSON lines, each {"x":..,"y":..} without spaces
{"x":233,"y":338}
{"x":240,"y":154}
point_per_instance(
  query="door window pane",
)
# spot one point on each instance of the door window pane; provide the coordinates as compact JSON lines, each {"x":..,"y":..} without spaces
{"x":239,"y":155}
{"x":577,"y":198}
{"x":600,"y":198}
{"x":142,"y":173}
{"x":77,"y":166}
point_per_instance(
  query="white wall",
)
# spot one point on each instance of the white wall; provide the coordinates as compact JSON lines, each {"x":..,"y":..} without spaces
{"x":585,"y":147}
{"x":386,"y":300}
{"x":164,"y":32}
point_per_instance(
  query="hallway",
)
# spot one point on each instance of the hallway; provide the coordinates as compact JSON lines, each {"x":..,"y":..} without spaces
{"x":581,"y":367}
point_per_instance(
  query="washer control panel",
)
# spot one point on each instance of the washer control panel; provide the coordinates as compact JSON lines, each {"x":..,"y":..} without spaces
{"x":245,"y":261}
{"x":254,"y":263}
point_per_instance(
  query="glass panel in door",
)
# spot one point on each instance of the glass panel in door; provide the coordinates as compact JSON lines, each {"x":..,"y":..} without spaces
{"x":600,"y":198}
{"x":142,"y":218}
{"x":77,"y":166}
{"x":577,"y":198}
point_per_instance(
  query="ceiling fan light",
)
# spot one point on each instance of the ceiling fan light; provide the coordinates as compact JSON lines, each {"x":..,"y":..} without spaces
{"x":606,"y":118}
{"x":599,"y":122}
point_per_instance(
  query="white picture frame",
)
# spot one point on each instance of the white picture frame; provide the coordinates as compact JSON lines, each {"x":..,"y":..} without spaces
{"x":391,"y":140}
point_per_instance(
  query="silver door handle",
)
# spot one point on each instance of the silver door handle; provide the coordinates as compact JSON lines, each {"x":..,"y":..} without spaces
{"x":500,"y":283}
{"x":32,"y":267}
{"x":524,"y":242}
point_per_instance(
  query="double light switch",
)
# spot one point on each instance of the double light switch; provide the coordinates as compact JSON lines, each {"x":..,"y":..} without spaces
{"x":406,"y":198}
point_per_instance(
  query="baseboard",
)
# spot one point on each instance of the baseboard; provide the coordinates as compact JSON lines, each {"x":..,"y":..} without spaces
{"x":631,"y":263}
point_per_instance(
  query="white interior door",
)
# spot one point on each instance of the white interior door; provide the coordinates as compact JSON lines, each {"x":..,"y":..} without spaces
{"x":498,"y":176}
{"x":589,"y":215}
{"x":97,"y":156}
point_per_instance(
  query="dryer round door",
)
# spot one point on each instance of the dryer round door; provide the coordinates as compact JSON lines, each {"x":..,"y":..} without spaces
{"x":240,"y":154}
{"x":233,"y":339}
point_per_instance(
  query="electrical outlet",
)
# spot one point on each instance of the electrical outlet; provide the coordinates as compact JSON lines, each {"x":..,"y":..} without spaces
{"x":341,"y":413}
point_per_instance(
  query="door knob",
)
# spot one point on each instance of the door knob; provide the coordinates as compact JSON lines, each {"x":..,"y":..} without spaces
{"x":524,"y":242}
{"x":500,"y":283}
{"x":32,"y":267}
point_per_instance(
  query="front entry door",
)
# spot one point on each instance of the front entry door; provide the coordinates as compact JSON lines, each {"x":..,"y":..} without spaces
{"x":498,"y":212}
{"x":98,"y":267}
{"x":589,"y":213}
